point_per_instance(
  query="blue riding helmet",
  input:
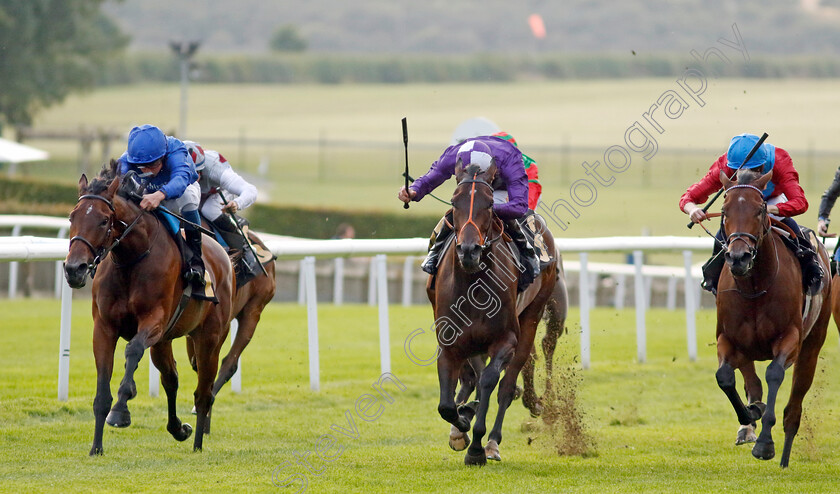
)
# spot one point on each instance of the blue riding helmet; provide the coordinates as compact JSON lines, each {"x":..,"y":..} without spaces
{"x":146,"y":144}
{"x":740,"y":147}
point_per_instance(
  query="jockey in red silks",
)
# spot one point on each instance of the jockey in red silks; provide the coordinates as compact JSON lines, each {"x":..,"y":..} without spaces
{"x":784,"y":196}
{"x":510,"y":192}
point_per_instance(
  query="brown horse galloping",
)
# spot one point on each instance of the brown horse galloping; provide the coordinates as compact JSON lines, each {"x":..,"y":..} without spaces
{"x":136,"y":291}
{"x":476,"y":312}
{"x":763,"y":314}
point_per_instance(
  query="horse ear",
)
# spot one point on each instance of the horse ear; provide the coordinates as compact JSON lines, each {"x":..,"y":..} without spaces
{"x":490,"y":174}
{"x":725,"y":181}
{"x":83,"y":183}
{"x":761,"y":183}
{"x":459,"y":170}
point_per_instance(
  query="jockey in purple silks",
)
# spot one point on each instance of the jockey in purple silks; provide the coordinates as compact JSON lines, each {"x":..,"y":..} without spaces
{"x":510,"y":192}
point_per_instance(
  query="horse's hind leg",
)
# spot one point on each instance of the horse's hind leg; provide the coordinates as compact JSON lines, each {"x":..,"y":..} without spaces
{"x":207,"y":357}
{"x":803,"y":376}
{"x":161,"y":355}
{"x":104,"y":344}
{"x":529,"y":392}
{"x":119,"y":415}
{"x":468,"y":378}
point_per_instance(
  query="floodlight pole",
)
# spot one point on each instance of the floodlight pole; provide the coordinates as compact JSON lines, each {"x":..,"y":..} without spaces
{"x":184,"y":50}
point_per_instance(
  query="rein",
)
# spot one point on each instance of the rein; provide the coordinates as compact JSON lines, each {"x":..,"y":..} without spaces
{"x":485,"y":241}
{"x":100,"y":254}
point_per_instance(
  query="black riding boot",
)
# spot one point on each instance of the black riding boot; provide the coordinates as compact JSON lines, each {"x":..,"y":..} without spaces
{"x":713,"y":268}
{"x":811,"y":269}
{"x":436,"y":243}
{"x":195,"y":271}
{"x":527,"y":254}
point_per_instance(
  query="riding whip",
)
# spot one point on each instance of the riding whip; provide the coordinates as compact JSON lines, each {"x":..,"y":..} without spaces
{"x":750,"y":155}
{"x":405,"y":142}
{"x":238,"y":227}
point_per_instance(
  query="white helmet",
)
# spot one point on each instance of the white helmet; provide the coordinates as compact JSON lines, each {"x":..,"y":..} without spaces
{"x":196,"y":153}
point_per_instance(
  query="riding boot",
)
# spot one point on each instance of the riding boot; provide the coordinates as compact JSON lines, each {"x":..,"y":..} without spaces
{"x":229,"y":233}
{"x":437,"y":241}
{"x":527,"y":254}
{"x":811,"y":269}
{"x":713,"y":267}
{"x":195,"y":271}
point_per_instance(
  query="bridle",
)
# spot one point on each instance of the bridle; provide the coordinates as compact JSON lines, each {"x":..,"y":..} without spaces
{"x":751,"y":240}
{"x":485,"y":242}
{"x":102,"y":252}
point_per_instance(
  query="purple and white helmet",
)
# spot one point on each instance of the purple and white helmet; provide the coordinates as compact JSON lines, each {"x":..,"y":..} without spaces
{"x":475,"y":153}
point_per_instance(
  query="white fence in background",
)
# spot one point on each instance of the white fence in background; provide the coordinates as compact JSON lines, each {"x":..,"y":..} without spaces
{"x":28,"y":248}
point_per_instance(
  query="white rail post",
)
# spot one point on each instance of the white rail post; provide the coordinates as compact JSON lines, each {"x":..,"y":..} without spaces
{"x":583,"y":296}
{"x":372,"y":282}
{"x":384,"y":326}
{"x":302,"y":282}
{"x":308,"y":265}
{"x":690,"y":317}
{"x":64,"y":342}
{"x":671,"y":302}
{"x":59,"y":268}
{"x":620,"y":290}
{"x":338,"y":281}
{"x":407,"y":280}
{"x":641,"y":304}
{"x":154,"y":379}
{"x":236,"y":379}
{"x":13,"y":268}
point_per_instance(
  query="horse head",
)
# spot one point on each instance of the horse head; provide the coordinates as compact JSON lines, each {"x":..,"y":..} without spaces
{"x":745,"y":219}
{"x":472,"y":214}
{"x":91,"y":225}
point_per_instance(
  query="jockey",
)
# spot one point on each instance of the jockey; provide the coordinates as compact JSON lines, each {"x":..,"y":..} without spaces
{"x":534,"y":186}
{"x":510,"y":195}
{"x":784,"y":196}
{"x":172,"y":184}
{"x":827,"y":201}
{"x":216,"y":175}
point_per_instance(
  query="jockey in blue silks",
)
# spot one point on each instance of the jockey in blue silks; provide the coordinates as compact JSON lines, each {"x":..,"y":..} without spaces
{"x":173,"y":184}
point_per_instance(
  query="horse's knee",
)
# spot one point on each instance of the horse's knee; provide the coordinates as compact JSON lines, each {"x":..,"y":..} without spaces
{"x":775,"y":374}
{"x":725,"y":376}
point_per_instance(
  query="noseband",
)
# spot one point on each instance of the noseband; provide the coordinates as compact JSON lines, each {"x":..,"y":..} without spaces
{"x":485,"y":241}
{"x":100,"y":253}
{"x":748,"y":238}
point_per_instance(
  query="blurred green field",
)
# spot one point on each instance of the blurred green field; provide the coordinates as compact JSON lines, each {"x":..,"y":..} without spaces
{"x":662,"y":426}
{"x":343,"y":145}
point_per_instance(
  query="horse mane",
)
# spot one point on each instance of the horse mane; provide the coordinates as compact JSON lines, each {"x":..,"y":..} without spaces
{"x":474,"y":170}
{"x":106,"y":176}
{"x":747,"y":176}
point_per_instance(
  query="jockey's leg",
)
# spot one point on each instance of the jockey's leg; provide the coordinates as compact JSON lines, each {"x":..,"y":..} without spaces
{"x":195,"y":272}
{"x":439,"y":236}
{"x":811,"y":270}
{"x":714,"y":266}
{"x":249,"y":266}
{"x":527,"y":253}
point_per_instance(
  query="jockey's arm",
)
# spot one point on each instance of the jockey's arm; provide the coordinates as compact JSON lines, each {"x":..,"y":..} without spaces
{"x":246,"y":192}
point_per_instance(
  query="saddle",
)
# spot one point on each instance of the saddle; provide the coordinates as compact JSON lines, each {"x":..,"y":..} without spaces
{"x":173,"y":226}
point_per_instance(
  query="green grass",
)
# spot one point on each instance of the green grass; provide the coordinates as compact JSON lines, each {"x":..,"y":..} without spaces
{"x":662,"y":426}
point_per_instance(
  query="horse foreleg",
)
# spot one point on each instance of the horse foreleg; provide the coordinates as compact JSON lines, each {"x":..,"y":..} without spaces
{"x":487,"y":383}
{"x":764,"y":448}
{"x":161,"y":355}
{"x":248,"y":320}
{"x":104,"y":345}
{"x":119,"y":416}
{"x":803,"y":377}
{"x":449,"y":370}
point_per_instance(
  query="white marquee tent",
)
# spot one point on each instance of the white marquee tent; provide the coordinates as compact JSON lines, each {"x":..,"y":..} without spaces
{"x":13,"y":153}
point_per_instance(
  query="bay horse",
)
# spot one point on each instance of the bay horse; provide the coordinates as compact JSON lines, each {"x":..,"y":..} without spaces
{"x":249,"y":300}
{"x":474,"y":298}
{"x":136,"y":291}
{"x":763,"y":314}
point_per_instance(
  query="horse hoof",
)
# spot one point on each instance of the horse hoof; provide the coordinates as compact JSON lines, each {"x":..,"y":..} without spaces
{"x":746,"y":434}
{"x":94,"y":451}
{"x":472,"y":460}
{"x":517,"y":392}
{"x":458,"y":441}
{"x":764,"y":451}
{"x":756,"y":410}
{"x":182,"y":432}
{"x":491,"y":451}
{"x":536,"y":410}
{"x":118,"y":419}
